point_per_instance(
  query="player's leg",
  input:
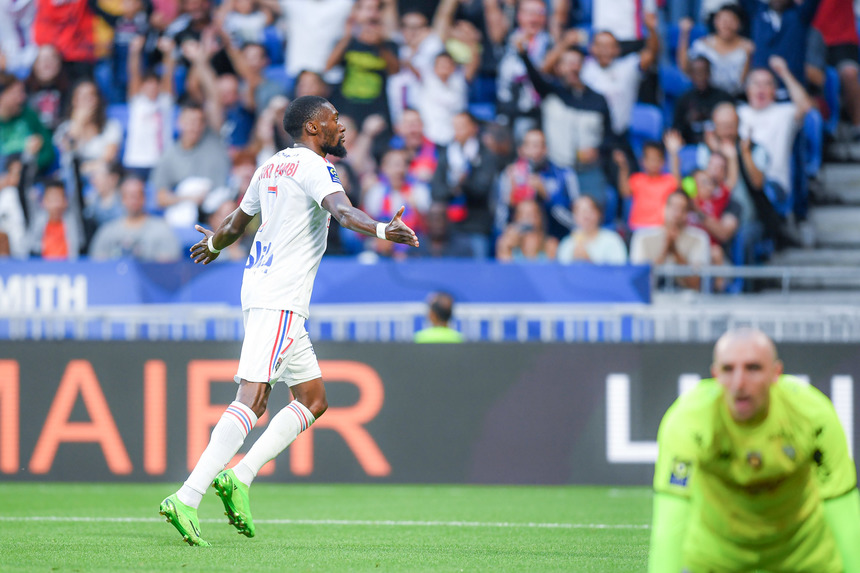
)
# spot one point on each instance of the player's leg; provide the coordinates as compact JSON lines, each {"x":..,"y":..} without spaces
{"x":265,"y":333}
{"x":302,"y":372}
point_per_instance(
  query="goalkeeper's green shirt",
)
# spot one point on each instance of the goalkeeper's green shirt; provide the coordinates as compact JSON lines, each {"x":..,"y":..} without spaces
{"x":755,"y":492}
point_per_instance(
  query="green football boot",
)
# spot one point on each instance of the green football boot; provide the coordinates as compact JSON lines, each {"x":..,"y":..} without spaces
{"x":237,"y":504}
{"x":184,"y":519}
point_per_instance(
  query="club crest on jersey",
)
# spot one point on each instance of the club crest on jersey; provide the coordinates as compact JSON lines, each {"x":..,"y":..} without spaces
{"x":754,"y":460}
{"x":680,"y":475}
{"x":333,"y":174}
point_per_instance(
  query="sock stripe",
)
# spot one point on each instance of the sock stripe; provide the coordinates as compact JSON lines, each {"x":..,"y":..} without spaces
{"x":303,"y":420}
{"x":243,"y":418}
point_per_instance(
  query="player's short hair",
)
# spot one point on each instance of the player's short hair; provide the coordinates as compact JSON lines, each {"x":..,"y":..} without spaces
{"x":300,"y":111}
{"x":442,"y":305}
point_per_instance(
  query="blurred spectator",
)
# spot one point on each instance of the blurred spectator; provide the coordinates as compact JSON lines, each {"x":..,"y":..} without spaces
{"x":55,"y":226}
{"x":617,"y":78}
{"x":533,"y":177}
{"x":20,"y":129}
{"x":728,"y":52}
{"x":244,"y":21}
{"x":368,"y":58}
{"x":103,"y":204}
{"x":649,"y":189}
{"x":693,"y":109}
{"x":313,"y":29}
{"x":69,"y":26}
{"x":518,"y":102}
{"x":814,"y":68}
{"x":773,"y":125}
{"x":219,"y":95}
{"x":674,"y":242}
{"x":836,"y":21}
{"x":623,"y":19}
{"x":464,"y":180}
{"x":588,"y":242}
{"x":440,"y":308}
{"x":194,"y":20}
{"x":444,"y":94}
{"x":394,"y":190}
{"x":195,"y":164}
{"x":311,"y":83}
{"x":423,"y":154}
{"x":17,"y":48}
{"x":150,"y":109}
{"x":132,"y":22}
{"x":419,"y":47}
{"x":715,"y":213}
{"x":525,"y":238}
{"x":48,"y":87}
{"x":269,"y":136}
{"x":87,"y":135}
{"x":237,"y":251}
{"x":576,"y":118}
{"x":250,"y":62}
{"x":13,"y":223}
{"x":440,"y":240}
{"x":779,"y":28}
{"x":144,"y":237}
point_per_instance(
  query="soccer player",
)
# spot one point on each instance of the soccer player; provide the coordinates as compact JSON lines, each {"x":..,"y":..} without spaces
{"x":753,"y":472}
{"x":295,"y":192}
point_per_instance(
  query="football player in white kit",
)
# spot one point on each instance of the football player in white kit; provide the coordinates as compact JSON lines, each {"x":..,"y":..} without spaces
{"x":295,"y":192}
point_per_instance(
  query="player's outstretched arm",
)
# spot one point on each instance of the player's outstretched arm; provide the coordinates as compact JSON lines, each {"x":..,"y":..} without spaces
{"x":340,"y":207}
{"x":206,"y":249}
{"x":668,"y":526}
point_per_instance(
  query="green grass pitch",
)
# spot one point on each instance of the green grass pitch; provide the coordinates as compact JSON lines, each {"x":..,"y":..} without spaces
{"x":116,"y":527}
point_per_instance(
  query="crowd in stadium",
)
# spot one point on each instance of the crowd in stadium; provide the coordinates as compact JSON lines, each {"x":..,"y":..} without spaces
{"x":521,"y":130}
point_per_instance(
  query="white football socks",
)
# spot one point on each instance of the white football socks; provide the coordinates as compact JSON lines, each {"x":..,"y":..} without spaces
{"x":282,"y":430}
{"x":227,"y":437}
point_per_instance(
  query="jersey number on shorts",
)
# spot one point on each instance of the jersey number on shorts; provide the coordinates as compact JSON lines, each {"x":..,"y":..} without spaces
{"x":260,"y":256}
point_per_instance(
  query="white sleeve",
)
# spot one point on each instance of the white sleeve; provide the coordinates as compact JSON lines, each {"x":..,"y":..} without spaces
{"x":251,"y":201}
{"x":320,"y":179}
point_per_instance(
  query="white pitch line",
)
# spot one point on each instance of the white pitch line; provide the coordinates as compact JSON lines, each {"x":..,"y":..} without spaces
{"x":491,"y":524}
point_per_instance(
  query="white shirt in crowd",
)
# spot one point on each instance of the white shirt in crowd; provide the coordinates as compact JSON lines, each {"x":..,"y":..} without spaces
{"x":313,"y":29}
{"x":774,"y":128}
{"x":618,"y":83}
{"x":404,"y":88}
{"x":607,"y":248}
{"x":623,"y":18}
{"x":150,"y":130}
{"x":287,"y":191}
{"x":439,"y":102}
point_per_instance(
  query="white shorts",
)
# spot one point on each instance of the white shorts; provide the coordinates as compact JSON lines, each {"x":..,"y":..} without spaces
{"x":276,"y":347}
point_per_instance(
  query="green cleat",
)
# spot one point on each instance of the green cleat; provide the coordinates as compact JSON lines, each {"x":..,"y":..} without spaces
{"x":184,"y":519}
{"x":237,"y":504}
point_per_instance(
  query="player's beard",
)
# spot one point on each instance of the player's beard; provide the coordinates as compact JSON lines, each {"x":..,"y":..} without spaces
{"x":337,"y":150}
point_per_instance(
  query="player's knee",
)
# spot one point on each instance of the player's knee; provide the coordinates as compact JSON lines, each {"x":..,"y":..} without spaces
{"x":318,"y":406}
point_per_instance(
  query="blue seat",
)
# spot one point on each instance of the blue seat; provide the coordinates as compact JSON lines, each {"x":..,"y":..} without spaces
{"x":673,"y":33}
{"x":119,"y":112}
{"x":646,"y":123}
{"x":274,"y":44}
{"x":813,"y":132}
{"x":674,"y":81}
{"x":832,"y":89}
{"x":688,"y":158}
{"x":278,"y":74}
{"x":483,"y":111}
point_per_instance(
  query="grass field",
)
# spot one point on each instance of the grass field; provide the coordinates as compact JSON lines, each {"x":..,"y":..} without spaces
{"x":89,"y":527}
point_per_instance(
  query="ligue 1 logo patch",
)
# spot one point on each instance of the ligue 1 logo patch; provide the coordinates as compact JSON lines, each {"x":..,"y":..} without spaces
{"x":680,"y":472}
{"x":333,"y":174}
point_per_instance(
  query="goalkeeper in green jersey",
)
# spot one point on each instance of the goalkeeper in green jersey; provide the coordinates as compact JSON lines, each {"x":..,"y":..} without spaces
{"x":753,"y":472}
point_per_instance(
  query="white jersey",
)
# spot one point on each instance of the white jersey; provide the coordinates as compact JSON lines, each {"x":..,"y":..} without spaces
{"x":287,"y":191}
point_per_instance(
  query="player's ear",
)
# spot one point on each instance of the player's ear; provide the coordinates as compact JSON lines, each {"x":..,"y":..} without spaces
{"x":778,"y":368}
{"x":311,"y":127}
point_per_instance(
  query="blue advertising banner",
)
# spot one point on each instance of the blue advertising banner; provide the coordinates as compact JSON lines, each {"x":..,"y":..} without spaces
{"x":38,"y":286}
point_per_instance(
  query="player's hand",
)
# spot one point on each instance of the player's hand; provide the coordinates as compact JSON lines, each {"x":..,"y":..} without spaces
{"x":200,"y":251}
{"x":398,"y":232}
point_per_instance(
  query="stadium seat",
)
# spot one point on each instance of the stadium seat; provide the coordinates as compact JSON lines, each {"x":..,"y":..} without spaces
{"x":278,"y":74}
{"x":831,"y":96}
{"x":674,"y":83}
{"x":672,"y":33}
{"x":119,"y":112}
{"x":274,"y":44}
{"x":483,"y":111}
{"x":688,"y":159}
{"x":813,"y":131}
{"x":646,"y":123}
